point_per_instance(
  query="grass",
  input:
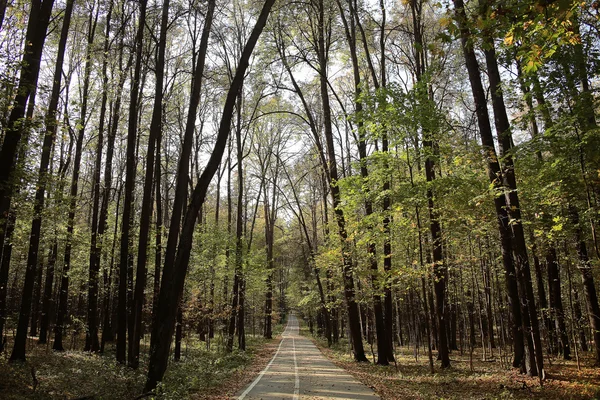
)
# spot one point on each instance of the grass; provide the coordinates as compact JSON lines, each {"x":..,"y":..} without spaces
{"x":492,"y":379}
{"x":200,"y":374}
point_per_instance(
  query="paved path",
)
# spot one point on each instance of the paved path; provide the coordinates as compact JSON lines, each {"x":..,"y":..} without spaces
{"x":298,"y":370}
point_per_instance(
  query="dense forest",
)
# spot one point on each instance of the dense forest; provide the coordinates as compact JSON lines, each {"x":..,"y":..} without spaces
{"x":413,"y":174}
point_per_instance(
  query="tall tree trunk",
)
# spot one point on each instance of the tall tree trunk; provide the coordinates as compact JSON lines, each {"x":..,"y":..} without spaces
{"x":50,"y":299}
{"x":546,"y":317}
{"x":494,"y":172}
{"x":238,"y":279}
{"x":384,"y":351}
{"x":107,"y":334}
{"x":578,"y":319}
{"x":514,"y":207}
{"x":176,"y":264}
{"x":269,"y":225}
{"x":349,"y":291}
{"x":155,"y":129}
{"x":62,"y":315}
{"x":111,"y":317}
{"x":439,"y":267}
{"x":35,"y":36}
{"x":488,"y":303}
{"x":158,"y":227}
{"x":127,"y":217}
{"x":211,"y":309}
{"x":9,"y":228}
{"x":91,"y":340}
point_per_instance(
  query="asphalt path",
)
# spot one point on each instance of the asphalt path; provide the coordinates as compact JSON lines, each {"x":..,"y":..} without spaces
{"x":298,"y":370}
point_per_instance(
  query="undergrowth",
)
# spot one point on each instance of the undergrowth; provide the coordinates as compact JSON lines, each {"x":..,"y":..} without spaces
{"x":77,"y":374}
{"x":410,"y":377}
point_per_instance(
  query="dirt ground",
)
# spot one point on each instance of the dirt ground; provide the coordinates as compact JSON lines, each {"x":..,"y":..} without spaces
{"x":491,"y":379}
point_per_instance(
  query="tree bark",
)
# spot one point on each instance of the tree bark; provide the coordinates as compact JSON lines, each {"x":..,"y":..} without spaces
{"x":35,"y":36}
{"x":384,"y":351}
{"x":37,"y":294}
{"x":591,"y":296}
{"x":176,"y":265}
{"x":158,"y":227}
{"x":556,"y":301}
{"x":494,"y":174}
{"x":237,"y":307}
{"x":269,"y":227}
{"x":349,"y":291}
{"x":47,"y":297}
{"x":155,"y":131}
{"x":107,"y":334}
{"x":62,"y":315}
{"x":127,"y":217}
{"x":514,"y":208}
{"x":91,"y":340}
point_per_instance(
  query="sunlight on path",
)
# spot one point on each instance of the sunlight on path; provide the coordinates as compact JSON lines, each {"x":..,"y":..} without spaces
{"x":298,"y":370}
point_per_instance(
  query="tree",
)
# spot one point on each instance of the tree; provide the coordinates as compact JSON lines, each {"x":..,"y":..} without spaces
{"x":62,"y":310}
{"x":520,"y":315}
{"x":39,"y":18}
{"x":127,"y":218}
{"x":91,"y":342}
{"x":155,"y":128}
{"x":174,"y":273}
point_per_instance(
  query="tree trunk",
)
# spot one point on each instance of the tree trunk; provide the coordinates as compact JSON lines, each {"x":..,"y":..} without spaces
{"x":514,"y":207}
{"x":556,"y":301}
{"x":349,"y":291}
{"x":545,"y":312}
{"x":91,"y":340}
{"x":178,"y":335}
{"x":494,"y":172}
{"x":578,"y":320}
{"x":237,"y":304}
{"x":155,"y":131}
{"x":589,"y":287}
{"x":35,"y":36}
{"x":47,"y":297}
{"x":176,"y":264}
{"x":111,"y":314}
{"x":9,"y":229}
{"x":107,"y":334}
{"x":384,"y":351}
{"x":30,"y":67}
{"x":62,"y":315}
{"x":127,"y":217}
{"x":37,"y":294}
{"x":269,"y":226}
{"x":158,"y":227}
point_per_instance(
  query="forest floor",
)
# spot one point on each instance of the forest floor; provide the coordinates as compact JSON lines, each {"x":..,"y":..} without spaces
{"x":201,"y":374}
{"x":491,"y":379}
